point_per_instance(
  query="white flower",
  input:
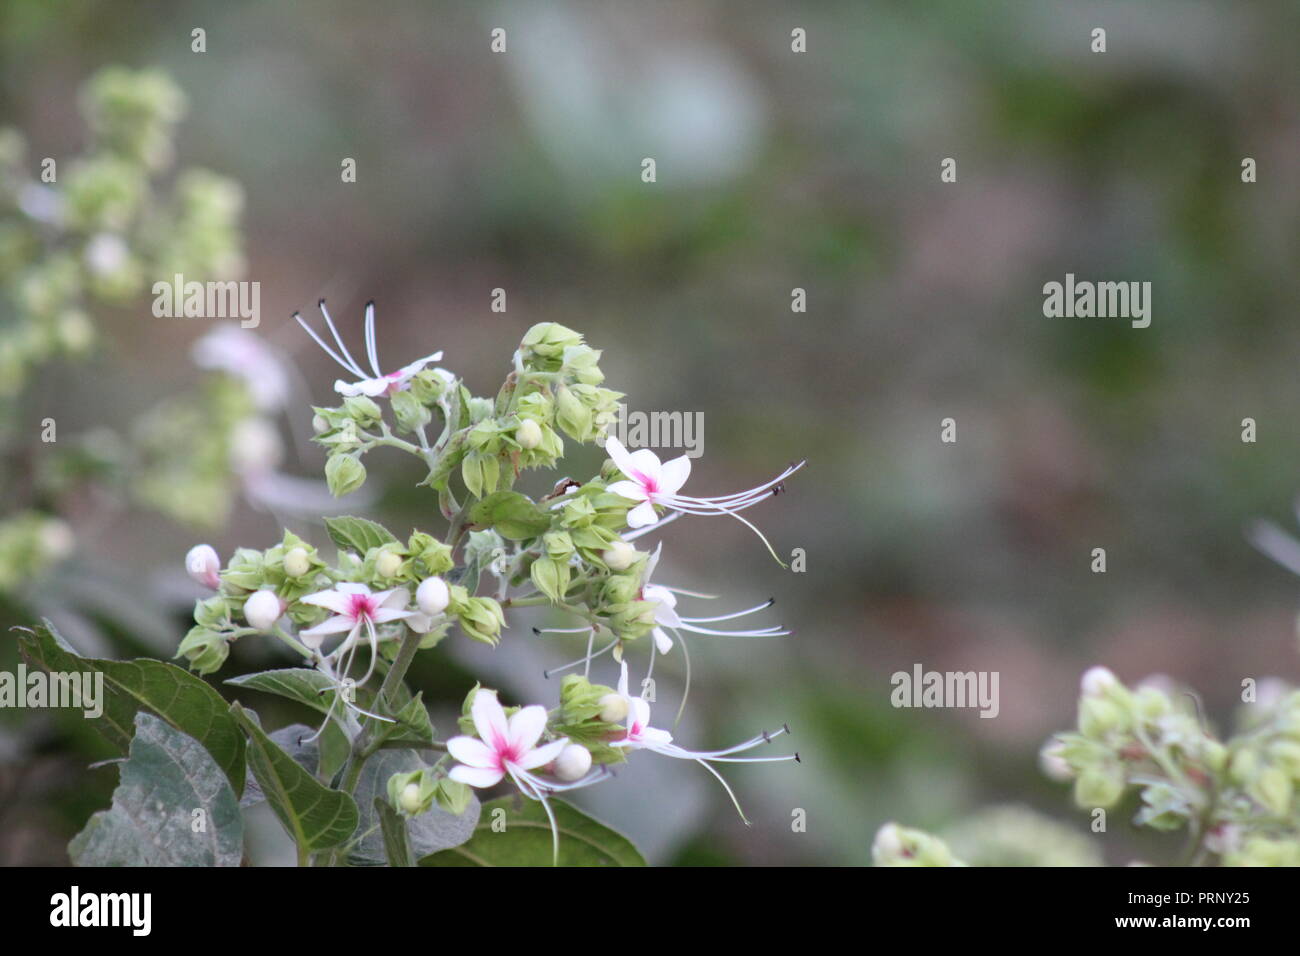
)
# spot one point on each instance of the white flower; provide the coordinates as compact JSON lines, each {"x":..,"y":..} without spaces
{"x":204,"y":565}
{"x":667,"y":619}
{"x":508,"y":747}
{"x":502,"y":746}
{"x":245,"y":355}
{"x":379,"y":384}
{"x":653,"y":483}
{"x":355,"y":607}
{"x":263,"y":609}
{"x":433,"y":595}
{"x":639,"y":735}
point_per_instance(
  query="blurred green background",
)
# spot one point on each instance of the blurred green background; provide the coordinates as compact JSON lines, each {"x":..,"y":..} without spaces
{"x":776,"y":170}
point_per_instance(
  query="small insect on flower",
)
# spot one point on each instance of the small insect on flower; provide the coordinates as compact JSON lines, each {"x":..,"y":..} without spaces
{"x":370,"y":386}
{"x":653,"y":483}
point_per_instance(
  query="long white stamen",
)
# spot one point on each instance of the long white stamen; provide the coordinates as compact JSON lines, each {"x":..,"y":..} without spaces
{"x":726,"y":617}
{"x":773,"y":631}
{"x":638,"y":532}
{"x":370,"y":339}
{"x":686,"y":689}
{"x":338,"y":338}
{"x":328,"y":351}
{"x":590,"y":657}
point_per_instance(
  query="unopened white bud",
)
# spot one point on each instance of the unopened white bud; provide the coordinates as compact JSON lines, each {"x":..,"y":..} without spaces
{"x":528,"y":434}
{"x":573,"y":763}
{"x":296,"y":563}
{"x":432,"y":595}
{"x":1097,"y":680}
{"x":619,"y":556}
{"x":203,"y":564}
{"x":1051,"y":760}
{"x":262,"y":609}
{"x":613,"y":708}
{"x":410,"y":798}
{"x":388,"y":564}
{"x":888,"y":842}
{"x":319,"y":425}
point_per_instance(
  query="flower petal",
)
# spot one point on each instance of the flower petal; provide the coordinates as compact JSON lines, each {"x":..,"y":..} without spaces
{"x":630,"y":490}
{"x":331,"y":625}
{"x":541,"y":756}
{"x":614,"y":448}
{"x":662,"y":641}
{"x":490,"y":719}
{"x":475,"y":776}
{"x":526,"y":727}
{"x":472,"y":752}
{"x":336,"y":601}
{"x":654,"y":737}
{"x":674,"y":475}
{"x":642,"y":515}
{"x":386,"y":614}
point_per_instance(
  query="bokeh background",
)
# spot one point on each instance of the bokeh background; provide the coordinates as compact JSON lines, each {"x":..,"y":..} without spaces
{"x":776,"y":170}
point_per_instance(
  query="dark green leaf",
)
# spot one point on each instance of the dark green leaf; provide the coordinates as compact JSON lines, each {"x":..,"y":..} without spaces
{"x":315,"y":816}
{"x":523,"y":838}
{"x":357,"y":534}
{"x":173,"y":807}
{"x":397,"y":843}
{"x":511,"y":514}
{"x":189,"y":704}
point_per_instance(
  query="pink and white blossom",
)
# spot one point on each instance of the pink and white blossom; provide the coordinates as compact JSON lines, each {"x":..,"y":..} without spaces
{"x":654,"y":484}
{"x":369,"y":385}
{"x":640,"y":735}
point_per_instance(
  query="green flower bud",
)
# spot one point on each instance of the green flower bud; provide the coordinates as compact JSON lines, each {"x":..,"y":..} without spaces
{"x":551,"y":577}
{"x":1098,"y":787}
{"x":573,"y":417}
{"x":542,"y":347}
{"x":413,"y":793}
{"x":453,"y":796}
{"x":428,"y":386}
{"x":633,"y":620}
{"x":362,"y":410}
{"x":205,"y":650}
{"x":481,"y":619}
{"x":528,"y":434}
{"x":581,"y":700}
{"x":410,"y":414}
{"x":296,"y":562}
{"x":902,"y":846}
{"x":1098,"y":717}
{"x":344,"y":474}
{"x":1273,"y":789}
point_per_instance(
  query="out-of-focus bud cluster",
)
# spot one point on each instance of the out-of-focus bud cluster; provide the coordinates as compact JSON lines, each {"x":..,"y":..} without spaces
{"x":1240,"y":793}
{"x":30,"y":542}
{"x":91,"y":229}
{"x":1019,"y":836}
{"x":895,"y":845}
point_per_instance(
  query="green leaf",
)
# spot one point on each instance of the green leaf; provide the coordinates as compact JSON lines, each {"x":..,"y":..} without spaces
{"x":302,"y":684}
{"x":431,"y":831}
{"x":357,"y":534}
{"x":315,"y":816}
{"x":154,"y":820}
{"x":397,"y":842}
{"x":189,"y":704}
{"x":513,"y":515}
{"x":413,"y":725}
{"x":525,"y":839}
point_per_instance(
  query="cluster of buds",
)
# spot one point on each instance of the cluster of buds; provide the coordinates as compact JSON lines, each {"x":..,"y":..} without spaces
{"x":93,"y":230}
{"x":572,"y":549}
{"x":1238,"y":795}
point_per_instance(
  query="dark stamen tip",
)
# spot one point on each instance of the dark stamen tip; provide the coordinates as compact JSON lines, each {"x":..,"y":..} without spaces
{"x":319,"y":303}
{"x":786,"y":728}
{"x":537,"y":630}
{"x":796,"y":757}
{"x":370,"y":303}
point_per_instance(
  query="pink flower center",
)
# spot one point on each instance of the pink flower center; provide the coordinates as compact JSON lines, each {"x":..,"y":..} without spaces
{"x":646,"y":482}
{"x":363,"y":607}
